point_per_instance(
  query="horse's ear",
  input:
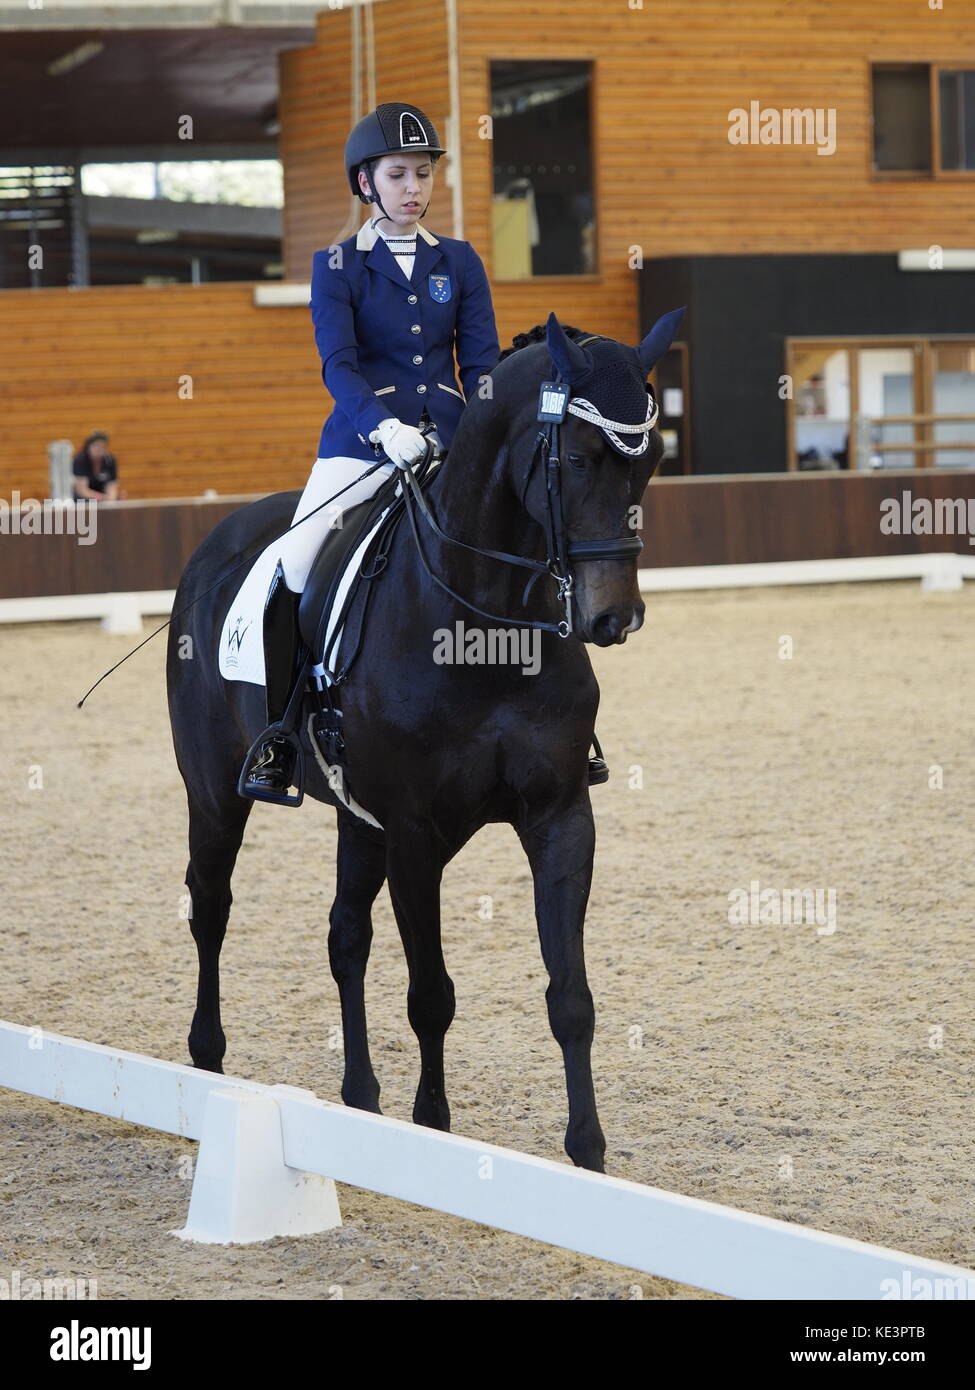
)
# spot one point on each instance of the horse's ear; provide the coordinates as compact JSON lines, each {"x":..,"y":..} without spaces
{"x":659,"y":339}
{"x":567,"y":356}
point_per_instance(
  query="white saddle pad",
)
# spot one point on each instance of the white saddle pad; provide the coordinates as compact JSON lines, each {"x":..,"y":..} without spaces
{"x":241,"y":655}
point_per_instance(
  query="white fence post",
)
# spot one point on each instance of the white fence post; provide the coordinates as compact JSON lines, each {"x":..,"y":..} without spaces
{"x":123,"y":615}
{"x":60,"y":479}
{"x":944,"y":574}
{"x":242,"y":1189}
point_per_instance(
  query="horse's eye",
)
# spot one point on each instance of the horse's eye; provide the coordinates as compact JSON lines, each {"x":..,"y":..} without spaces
{"x":578,"y":461}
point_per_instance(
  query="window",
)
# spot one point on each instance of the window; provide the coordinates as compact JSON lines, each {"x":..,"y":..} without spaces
{"x":821,"y":412}
{"x":543,"y":213}
{"x":923,"y":120}
{"x":882,"y":403}
{"x":953,"y":402}
{"x":956,"y":92}
{"x":886,"y":407}
{"x":902,"y":118}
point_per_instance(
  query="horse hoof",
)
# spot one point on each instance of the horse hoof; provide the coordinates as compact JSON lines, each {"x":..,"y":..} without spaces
{"x":432,"y":1117}
{"x":216,"y":1066}
{"x":587,"y":1151}
{"x":363,"y":1103}
{"x":595,"y":1162}
{"x":361,"y":1094}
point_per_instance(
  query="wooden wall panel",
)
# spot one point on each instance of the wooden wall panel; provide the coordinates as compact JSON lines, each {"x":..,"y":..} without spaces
{"x":411,"y":61}
{"x":72,"y":361}
{"x":138,"y":546}
{"x":409,"y":48}
{"x":315,"y":109}
{"x":687,"y":521}
{"x":411,"y":64}
{"x":668,"y":75}
{"x":753,"y":519}
{"x":667,"y":179}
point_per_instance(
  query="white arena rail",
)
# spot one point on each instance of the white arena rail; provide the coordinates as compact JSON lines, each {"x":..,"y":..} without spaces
{"x":270,"y":1155}
{"x":937,"y":570}
{"x":120,"y":613}
{"x":123,"y":612}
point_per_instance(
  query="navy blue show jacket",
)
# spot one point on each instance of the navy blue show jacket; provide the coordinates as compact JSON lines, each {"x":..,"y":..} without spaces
{"x":387,"y":343}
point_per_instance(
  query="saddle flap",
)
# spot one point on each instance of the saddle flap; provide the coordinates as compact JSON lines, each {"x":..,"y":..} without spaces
{"x":337,"y":550}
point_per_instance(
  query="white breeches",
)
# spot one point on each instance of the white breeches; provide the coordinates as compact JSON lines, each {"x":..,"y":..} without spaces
{"x":299,"y":547}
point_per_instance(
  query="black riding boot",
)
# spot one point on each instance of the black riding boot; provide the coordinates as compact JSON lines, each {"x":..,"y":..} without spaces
{"x":271,"y":768}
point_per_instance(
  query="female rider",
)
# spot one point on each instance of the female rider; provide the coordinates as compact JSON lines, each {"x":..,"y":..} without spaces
{"x":390,"y":305}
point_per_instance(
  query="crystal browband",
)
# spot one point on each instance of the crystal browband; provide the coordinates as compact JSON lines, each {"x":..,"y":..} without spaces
{"x":578,"y":405}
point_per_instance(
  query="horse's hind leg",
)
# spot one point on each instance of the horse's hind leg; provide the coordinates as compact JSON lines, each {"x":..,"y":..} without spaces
{"x":360,"y":873}
{"x":215,"y":836}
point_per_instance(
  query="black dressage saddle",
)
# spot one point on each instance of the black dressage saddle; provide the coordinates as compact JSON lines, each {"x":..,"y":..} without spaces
{"x":387,"y":508}
{"x":338,"y":547}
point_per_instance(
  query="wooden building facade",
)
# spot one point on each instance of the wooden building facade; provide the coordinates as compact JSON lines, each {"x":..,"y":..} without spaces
{"x":598,"y":167}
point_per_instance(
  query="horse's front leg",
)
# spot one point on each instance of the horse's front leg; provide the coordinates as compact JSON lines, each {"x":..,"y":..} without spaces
{"x":360,"y":872}
{"x":414,"y":869}
{"x":560,"y":849}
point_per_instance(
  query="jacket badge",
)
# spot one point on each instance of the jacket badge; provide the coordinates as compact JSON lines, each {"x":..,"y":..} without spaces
{"x":440,"y":288}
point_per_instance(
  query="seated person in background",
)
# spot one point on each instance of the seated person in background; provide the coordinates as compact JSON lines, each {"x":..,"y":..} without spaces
{"x":95,"y":471}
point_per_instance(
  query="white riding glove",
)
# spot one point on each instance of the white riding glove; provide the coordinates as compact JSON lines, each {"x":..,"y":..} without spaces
{"x":404,"y":444}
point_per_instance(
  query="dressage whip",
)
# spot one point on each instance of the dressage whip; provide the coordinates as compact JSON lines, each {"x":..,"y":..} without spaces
{"x":381,"y":463}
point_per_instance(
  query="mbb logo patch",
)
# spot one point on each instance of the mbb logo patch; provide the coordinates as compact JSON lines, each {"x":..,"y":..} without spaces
{"x":440,"y":288}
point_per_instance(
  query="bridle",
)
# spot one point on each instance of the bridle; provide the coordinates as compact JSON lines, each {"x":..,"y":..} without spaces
{"x":560,"y":553}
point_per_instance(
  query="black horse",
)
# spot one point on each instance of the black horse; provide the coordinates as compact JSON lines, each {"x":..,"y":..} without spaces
{"x":435,"y":751}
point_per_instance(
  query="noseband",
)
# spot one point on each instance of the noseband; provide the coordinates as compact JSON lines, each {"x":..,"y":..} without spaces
{"x":561,"y":553}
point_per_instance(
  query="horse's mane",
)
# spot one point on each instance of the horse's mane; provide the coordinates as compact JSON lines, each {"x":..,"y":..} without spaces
{"x":537,"y":335}
{"x":482,"y":414}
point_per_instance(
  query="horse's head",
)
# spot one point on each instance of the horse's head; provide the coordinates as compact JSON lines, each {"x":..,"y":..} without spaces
{"x":608,"y":447}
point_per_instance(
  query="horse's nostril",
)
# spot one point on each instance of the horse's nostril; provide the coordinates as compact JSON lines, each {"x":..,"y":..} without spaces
{"x":615,"y":625}
{"x":607,"y":628}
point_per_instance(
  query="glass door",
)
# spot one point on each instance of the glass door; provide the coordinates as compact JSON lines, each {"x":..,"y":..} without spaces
{"x":821,"y":383}
{"x":951,"y":386}
{"x":889,"y":398}
{"x":882,"y":403}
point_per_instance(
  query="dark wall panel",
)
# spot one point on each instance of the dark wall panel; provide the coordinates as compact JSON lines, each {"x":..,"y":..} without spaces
{"x":742,"y":309}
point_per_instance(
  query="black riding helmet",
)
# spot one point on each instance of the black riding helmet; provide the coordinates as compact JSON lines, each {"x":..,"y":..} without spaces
{"x":395,"y":127}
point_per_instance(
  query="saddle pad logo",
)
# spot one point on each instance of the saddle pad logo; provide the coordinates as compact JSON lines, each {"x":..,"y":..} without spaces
{"x":440,"y":288}
{"x":234,"y":639}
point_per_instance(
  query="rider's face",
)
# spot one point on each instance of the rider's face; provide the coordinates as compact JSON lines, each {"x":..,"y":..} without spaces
{"x":404,"y":183}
